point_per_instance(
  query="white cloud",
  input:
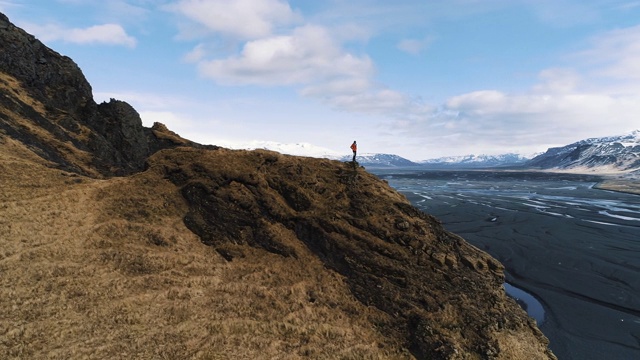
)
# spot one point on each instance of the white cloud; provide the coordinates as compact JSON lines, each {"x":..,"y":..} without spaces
{"x":109,"y":34}
{"x":375,"y":102}
{"x":598,"y":91}
{"x":551,"y":114}
{"x":415,"y":46}
{"x":247,"y":19}
{"x":492,"y":119}
{"x":319,"y":61}
{"x":496,"y":109}
{"x":558,"y":80}
{"x":478,"y":102}
{"x":361,"y":95}
{"x":313,"y":58}
{"x":4,"y":5}
{"x":565,"y":13}
{"x":309,"y":55}
{"x":124,"y":9}
{"x":339,"y":86}
{"x":198,"y":53}
{"x":106,"y":34}
{"x":615,"y":54}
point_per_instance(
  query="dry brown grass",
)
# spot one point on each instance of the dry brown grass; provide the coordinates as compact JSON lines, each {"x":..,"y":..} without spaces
{"x":106,"y":269}
{"x":627,"y":185}
{"x":11,"y":85}
{"x":66,"y":149}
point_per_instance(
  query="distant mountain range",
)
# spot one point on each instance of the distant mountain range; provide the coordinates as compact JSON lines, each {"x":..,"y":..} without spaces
{"x":380,"y":160}
{"x":476,"y":161}
{"x":392,"y":160}
{"x":467,"y":161}
{"x":297,"y":149}
{"x":606,"y":154}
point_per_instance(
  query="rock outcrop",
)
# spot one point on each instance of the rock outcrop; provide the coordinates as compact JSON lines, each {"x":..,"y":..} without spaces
{"x":368,"y":256}
{"x":48,"y":104}
{"x":611,"y":154}
{"x":444,"y":297}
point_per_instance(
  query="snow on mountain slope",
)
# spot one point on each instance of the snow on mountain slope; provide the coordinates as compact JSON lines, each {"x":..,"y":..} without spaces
{"x":477,"y":161}
{"x":298,"y":149}
{"x":380,"y":160}
{"x":306,"y":149}
{"x":605,"y":154}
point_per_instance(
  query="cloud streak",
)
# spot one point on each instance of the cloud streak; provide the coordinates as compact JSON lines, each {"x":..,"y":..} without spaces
{"x":308,"y":55}
{"x":245,"y":19}
{"x":105,"y":34}
{"x":311,"y":57}
{"x":415,"y":46}
{"x":615,"y":54}
{"x":575,"y":102}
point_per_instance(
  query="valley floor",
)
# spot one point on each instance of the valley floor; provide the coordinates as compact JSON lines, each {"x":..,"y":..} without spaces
{"x":574,"y":248}
{"x":631,"y":186}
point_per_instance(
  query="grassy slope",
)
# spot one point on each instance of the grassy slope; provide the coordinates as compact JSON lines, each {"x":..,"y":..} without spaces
{"x":627,"y":185}
{"x":94,"y":268}
{"x":107,"y":269}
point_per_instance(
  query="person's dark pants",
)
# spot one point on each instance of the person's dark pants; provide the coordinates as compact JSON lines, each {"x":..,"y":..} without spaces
{"x":354,"y":157}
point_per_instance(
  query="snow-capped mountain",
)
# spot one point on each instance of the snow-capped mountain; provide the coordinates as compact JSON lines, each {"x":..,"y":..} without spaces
{"x":306,"y":149}
{"x":380,"y":160}
{"x":298,"y":149}
{"x":476,"y":161}
{"x":606,"y":154}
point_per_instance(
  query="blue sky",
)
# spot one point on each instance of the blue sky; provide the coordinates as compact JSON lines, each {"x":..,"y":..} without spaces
{"x":421,"y":79}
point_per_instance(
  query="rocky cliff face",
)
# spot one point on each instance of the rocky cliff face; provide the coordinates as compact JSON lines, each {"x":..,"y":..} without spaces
{"x":297,"y":256}
{"x":48,"y":104}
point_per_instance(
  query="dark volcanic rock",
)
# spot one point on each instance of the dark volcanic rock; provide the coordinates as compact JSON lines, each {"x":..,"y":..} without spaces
{"x":444,"y":297}
{"x":49,"y":77}
{"x":122,"y":128}
{"x":48,"y":104}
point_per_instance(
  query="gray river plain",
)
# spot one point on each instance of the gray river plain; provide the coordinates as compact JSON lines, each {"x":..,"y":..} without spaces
{"x":574,"y":248}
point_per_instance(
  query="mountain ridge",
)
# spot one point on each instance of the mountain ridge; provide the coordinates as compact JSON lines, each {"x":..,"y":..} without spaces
{"x":619,"y":153}
{"x":149,"y":245}
{"x":51,"y":108}
{"x":477,"y":161}
{"x":380,"y":160}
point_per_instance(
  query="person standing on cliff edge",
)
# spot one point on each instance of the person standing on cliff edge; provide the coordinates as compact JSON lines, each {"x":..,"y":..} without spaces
{"x":354,"y":147}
